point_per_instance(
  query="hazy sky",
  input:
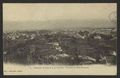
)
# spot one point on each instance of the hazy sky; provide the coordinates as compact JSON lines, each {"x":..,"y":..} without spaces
{"x":30,"y":16}
{"x":58,"y":11}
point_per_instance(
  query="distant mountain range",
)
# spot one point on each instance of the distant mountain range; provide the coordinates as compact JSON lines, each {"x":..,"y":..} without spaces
{"x":56,"y":25}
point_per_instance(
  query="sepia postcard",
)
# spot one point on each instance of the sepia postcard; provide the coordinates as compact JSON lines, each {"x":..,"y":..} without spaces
{"x":60,"y":38}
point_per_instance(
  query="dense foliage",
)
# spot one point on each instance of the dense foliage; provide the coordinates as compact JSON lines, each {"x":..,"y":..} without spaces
{"x":86,"y":46}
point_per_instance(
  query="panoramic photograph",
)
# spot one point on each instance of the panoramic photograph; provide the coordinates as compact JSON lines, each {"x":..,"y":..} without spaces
{"x":57,"y":38}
